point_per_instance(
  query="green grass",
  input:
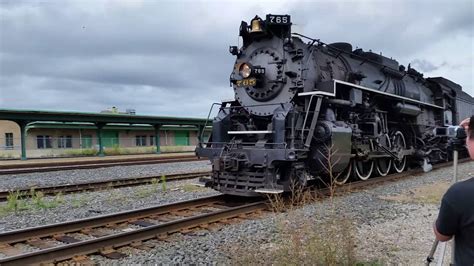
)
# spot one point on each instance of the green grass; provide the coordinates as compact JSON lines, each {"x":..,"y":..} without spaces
{"x":115,"y":196}
{"x":6,"y":156}
{"x":82,"y":152}
{"x":80,"y":200}
{"x":305,"y":242}
{"x":14,"y":203}
{"x":144,"y":192}
{"x":17,"y":202}
{"x":370,"y":263}
{"x":163,"y":183}
{"x":38,"y":200}
{"x":148,"y":190}
{"x":191,"y":188}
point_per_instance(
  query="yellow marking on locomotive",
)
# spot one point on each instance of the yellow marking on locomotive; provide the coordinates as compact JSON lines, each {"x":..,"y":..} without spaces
{"x":246,"y":82}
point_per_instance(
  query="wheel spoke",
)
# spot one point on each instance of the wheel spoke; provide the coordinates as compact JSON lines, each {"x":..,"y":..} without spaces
{"x":399,"y":145}
{"x":383,"y":165}
{"x":342,"y":177}
{"x":364,"y":168}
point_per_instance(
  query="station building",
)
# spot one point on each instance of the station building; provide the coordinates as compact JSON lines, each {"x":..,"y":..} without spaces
{"x":77,"y":138}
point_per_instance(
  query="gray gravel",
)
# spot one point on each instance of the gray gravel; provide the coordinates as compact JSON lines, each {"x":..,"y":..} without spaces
{"x":83,"y":205}
{"x":87,"y":175}
{"x":386,"y":232}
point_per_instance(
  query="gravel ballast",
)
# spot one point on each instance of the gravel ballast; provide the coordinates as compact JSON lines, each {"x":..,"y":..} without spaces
{"x":12,"y":182}
{"x":83,"y":205}
{"x":386,"y":231}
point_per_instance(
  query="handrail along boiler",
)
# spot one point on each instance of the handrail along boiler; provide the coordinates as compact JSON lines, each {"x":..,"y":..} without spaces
{"x":307,"y":110}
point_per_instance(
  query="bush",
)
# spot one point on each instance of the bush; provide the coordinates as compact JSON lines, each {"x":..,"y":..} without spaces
{"x":82,"y":152}
{"x":331,"y":242}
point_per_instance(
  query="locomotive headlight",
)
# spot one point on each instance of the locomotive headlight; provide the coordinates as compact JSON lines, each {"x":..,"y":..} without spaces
{"x":245,"y":70}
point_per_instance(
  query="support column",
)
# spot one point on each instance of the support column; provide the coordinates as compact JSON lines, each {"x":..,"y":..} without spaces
{"x":23,"y":125}
{"x":157,"y":138}
{"x":100,"y":126}
{"x":199,"y":136}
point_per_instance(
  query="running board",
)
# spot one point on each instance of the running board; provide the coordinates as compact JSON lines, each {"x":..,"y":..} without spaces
{"x":250,"y":132}
{"x":269,"y":191}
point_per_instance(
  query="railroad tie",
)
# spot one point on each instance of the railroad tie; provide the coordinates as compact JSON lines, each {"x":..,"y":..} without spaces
{"x":142,"y":246}
{"x":111,"y":253}
{"x":40,"y":243}
{"x":9,"y":250}
{"x":81,"y":260}
{"x":66,"y":239}
{"x":95,"y":232}
{"x":142,"y":223}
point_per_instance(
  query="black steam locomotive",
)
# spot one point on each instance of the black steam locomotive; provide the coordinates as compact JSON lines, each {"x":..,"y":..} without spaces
{"x":310,"y":110}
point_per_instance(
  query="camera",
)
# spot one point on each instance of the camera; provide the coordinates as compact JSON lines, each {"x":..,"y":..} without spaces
{"x":456,"y":132}
{"x":452,"y":132}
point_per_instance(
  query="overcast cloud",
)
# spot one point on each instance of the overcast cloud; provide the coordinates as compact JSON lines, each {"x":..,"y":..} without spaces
{"x":171,"y":57}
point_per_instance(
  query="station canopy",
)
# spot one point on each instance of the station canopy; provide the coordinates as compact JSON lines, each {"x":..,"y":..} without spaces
{"x":24,"y":118}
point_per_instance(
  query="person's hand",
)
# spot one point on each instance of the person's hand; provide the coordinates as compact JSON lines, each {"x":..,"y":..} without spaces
{"x":465,"y":123}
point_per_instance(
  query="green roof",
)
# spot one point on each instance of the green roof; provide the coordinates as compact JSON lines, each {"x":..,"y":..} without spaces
{"x":68,"y":116}
{"x":79,"y":125}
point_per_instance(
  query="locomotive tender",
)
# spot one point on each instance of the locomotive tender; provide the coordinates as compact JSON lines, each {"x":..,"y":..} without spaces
{"x":305,"y":111}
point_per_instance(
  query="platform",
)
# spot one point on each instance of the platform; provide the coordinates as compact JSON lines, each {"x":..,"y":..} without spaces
{"x":73,"y":160}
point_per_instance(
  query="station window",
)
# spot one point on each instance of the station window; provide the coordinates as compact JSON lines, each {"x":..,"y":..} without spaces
{"x":65,"y":142}
{"x":86,"y":141}
{"x":140,"y":140}
{"x":8,"y":141}
{"x":43,"y":142}
{"x":152,"y":140}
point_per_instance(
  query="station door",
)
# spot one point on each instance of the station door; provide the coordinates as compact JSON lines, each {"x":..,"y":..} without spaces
{"x":110,"y":138}
{"x":181,"y":138}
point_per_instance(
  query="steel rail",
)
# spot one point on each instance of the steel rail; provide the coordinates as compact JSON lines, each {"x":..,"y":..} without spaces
{"x":121,"y":239}
{"x":99,"y":185}
{"x":379,"y":180}
{"x":95,"y":160}
{"x":61,"y":166}
{"x":72,"y":226}
{"x":389,"y":178}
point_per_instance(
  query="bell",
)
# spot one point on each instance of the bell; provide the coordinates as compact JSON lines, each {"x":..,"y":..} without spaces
{"x":256,"y":25}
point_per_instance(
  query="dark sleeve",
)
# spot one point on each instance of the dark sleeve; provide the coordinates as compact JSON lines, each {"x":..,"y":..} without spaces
{"x":448,"y":218}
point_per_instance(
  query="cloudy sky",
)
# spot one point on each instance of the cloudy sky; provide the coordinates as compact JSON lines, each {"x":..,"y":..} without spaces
{"x":171,"y":57}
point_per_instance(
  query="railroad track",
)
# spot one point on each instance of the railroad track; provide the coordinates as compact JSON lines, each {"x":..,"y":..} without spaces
{"x":100,"y":185}
{"x":390,"y":178}
{"x":104,"y":235}
{"x":60,"y":166}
